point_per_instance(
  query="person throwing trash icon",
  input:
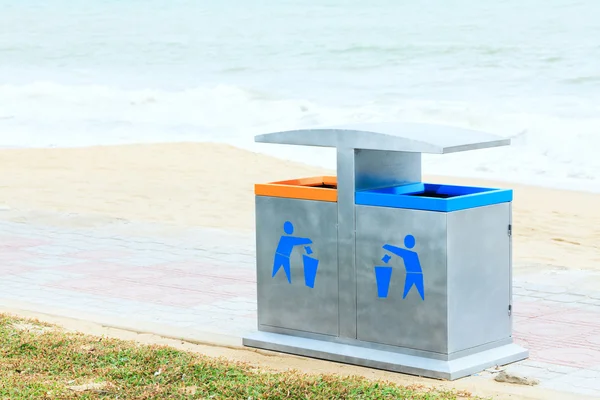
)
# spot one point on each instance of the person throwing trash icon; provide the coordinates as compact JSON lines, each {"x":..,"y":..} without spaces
{"x":414,"y":273}
{"x":284,"y":250}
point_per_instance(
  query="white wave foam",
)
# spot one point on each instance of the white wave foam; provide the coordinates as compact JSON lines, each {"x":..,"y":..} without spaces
{"x":547,"y":149}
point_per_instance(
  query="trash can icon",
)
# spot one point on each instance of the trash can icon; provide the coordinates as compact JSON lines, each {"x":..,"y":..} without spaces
{"x":383,"y":275}
{"x":310,"y":270}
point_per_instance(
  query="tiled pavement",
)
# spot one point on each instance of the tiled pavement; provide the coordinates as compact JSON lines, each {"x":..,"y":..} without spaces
{"x":172,"y":286}
{"x":200,"y":284}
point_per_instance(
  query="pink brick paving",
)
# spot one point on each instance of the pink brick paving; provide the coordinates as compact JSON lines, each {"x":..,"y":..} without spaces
{"x":12,"y":255}
{"x":564,"y":336}
{"x":101,"y":254}
{"x":18,"y":242}
{"x":142,"y":292}
{"x":116,"y":279}
{"x":7,"y":269}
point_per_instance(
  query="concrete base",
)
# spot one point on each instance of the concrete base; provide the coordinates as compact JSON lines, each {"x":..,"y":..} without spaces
{"x":386,"y":360}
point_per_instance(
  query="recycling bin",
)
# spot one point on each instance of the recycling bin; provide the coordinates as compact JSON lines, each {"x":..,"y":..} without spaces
{"x":433,"y":267}
{"x":376,"y":267}
{"x":296,"y":255}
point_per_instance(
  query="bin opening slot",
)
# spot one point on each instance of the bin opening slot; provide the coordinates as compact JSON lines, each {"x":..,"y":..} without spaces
{"x":320,"y":188}
{"x":431,"y":194}
{"x":431,"y":190}
{"x":324,"y":185}
{"x":432,"y":197}
{"x":323,"y":182}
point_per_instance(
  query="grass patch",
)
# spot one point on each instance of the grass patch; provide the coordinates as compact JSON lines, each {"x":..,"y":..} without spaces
{"x":38,"y":360}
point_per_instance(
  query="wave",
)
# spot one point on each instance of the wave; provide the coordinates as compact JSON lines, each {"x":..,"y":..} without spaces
{"x":222,"y":107}
{"x":397,"y":54}
{"x":583,"y":80}
{"x":550,"y":149}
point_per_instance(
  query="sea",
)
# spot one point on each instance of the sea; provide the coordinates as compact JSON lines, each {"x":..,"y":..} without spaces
{"x":100,"y":72}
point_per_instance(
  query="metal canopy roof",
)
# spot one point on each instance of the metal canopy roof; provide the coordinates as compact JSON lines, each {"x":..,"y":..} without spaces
{"x":407,"y":137}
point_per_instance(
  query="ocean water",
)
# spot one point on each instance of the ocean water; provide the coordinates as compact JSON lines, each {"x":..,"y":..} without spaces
{"x":75,"y":73}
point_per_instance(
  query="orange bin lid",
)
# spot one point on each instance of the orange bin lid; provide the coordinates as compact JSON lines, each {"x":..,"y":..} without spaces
{"x":320,"y":188}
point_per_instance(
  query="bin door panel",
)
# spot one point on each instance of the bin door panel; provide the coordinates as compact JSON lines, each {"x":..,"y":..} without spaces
{"x":310,"y":302}
{"x":479,"y":248}
{"x":401,"y":288}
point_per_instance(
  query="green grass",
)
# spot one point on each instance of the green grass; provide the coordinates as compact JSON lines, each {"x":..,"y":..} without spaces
{"x":38,"y":360}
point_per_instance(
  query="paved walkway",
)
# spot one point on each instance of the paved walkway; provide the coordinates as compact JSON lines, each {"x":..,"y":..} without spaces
{"x":200,"y":285}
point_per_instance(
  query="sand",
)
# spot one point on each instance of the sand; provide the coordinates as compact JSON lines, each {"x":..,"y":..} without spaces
{"x":208,"y":184}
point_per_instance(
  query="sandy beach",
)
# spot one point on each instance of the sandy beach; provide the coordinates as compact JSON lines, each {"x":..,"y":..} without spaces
{"x":208,"y":184}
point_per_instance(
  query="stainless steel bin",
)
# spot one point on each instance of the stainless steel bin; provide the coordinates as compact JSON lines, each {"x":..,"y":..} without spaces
{"x":400,"y":275}
{"x":296,"y":256}
{"x":433,"y":267}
